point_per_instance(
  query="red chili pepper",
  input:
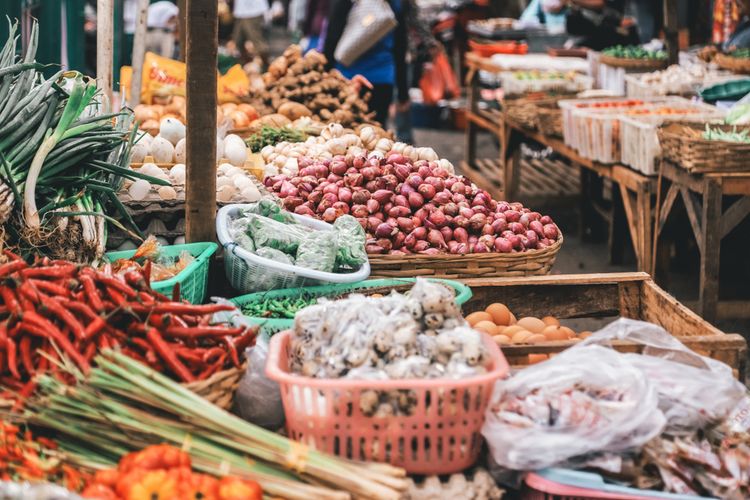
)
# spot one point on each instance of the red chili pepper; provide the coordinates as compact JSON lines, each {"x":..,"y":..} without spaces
{"x":179,"y":308}
{"x":28,"y":291}
{"x":11,"y":255}
{"x":176,"y":292}
{"x":133,"y":354}
{"x":190,"y":355}
{"x":94,"y":327}
{"x":66,"y":317}
{"x":169,"y":357}
{"x":215,"y":367}
{"x":3,"y":331}
{"x":9,"y":298}
{"x":202,"y":331}
{"x":232,"y":351}
{"x":11,"y":267}
{"x":12,"y":362}
{"x":50,"y":288}
{"x":146,"y":298}
{"x":116,"y":297}
{"x":246,"y":339}
{"x":136,"y":279}
{"x":40,"y":326}
{"x":90,"y":352}
{"x":79,"y":307}
{"x":25,"y":347}
{"x":118,"y":285}
{"x":103,"y":342}
{"x":23,"y":394}
{"x":92,"y":293}
{"x":54,"y":272}
{"x":212,"y":354}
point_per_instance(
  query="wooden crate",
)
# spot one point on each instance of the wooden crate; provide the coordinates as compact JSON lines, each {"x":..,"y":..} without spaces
{"x":630,"y":295}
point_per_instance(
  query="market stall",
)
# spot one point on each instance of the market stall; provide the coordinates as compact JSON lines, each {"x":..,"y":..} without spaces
{"x":465,"y":370}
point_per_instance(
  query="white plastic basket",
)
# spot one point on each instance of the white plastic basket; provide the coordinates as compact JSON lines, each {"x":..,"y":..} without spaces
{"x":248,"y":272}
{"x":634,"y":87}
{"x":640,"y":141}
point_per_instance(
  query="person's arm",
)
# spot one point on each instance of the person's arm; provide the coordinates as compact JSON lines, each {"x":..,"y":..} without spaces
{"x":337,"y":14}
{"x":399,"y":54}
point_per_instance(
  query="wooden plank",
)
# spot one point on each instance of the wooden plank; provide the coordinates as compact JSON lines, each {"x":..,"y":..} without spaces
{"x":202,"y":51}
{"x":139,"y":52}
{"x":666,"y":207}
{"x":559,"y":279}
{"x":630,"y":214}
{"x":483,"y":122}
{"x":645,"y":225}
{"x":735,"y":185}
{"x":663,"y":309}
{"x":734,"y":215}
{"x":679,"y":175}
{"x":692,"y":207}
{"x":710,"y":250}
{"x":477,"y":177}
{"x":105,"y":18}
{"x":671,"y":33}
{"x":630,"y":298}
{"x":726,"y":309}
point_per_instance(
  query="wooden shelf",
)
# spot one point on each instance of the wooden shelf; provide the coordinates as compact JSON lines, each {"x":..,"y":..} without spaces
{"x":486,"y":120}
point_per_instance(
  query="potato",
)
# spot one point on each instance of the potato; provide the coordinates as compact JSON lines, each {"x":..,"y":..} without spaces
{"x":294,"y":110}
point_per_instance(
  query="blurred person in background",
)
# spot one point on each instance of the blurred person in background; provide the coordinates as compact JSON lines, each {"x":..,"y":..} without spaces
{"x":249,"y":20}
{"x":383,"y":66}
{"x":161,"y":27}
{"x":600,"y":23}
{"x":316,"y":20}
{"x":550,"y":13}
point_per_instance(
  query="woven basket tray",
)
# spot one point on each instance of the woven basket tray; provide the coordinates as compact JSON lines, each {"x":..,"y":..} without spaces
{"x":523,"y":112}
{"x":475,"y":265}
{"x":644,"y":64}
{"x":733,"y":64}
{"x":549,"y":119}
{"x":219,"y":388}
{"x":683,"y":144}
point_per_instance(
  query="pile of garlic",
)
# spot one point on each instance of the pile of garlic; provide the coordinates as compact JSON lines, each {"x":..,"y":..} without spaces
{"x":333,"y":140}
{"x":232,"y":184}
{"x":169,"y":146}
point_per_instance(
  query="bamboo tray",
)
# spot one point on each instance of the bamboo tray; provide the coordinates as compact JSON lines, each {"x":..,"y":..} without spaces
{"x":473,"y":265}
{"x":630,"y":295}
{"x":634,"y":64}
{"x":733,"y":64}
{"x":684,"y":145}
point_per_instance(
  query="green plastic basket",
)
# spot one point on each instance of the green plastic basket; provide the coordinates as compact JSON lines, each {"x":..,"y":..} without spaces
{"x":193,"y":279}
{"x":272,"y":325}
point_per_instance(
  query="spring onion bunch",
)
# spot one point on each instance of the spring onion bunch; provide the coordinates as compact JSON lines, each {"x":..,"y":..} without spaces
{"x":61,"y":160}
{"x":123,"y":405}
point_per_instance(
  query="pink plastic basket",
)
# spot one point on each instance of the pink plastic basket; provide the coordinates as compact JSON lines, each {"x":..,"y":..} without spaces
{"x":442,"y":436}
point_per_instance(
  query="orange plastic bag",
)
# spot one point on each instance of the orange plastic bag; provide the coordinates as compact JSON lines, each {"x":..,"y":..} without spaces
{"x":431,"y":83}
{"x":450,"y":82}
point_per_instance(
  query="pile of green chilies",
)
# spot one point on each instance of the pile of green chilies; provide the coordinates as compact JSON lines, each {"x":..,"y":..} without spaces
{"x":59,"y":157}
{"x":122,"y":405}
{"x":278,"y":307}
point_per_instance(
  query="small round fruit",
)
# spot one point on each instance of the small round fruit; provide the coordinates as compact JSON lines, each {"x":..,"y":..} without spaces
{"x":584,"y":335}
{"x":500,"y":313}
{"x":520,"y":337}
{"x":511,"y":330}
{"x":478,"y":316}
{"x":536,"y":339}
{"x":501,"y":339}
{"x":553,"y":332}
{"x":550,"y":320}
{"x":486,"y":327}
{"x":537,"y":358}
{"x":534,"y":325}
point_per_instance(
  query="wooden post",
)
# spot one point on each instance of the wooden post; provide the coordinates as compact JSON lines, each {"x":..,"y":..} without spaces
{"x":710,"y":243}
{"x":105,"y":15}
{"x":182,"y":27}
{"x":139,"y":52}
{"x":670,"y":30}
{"x":201,"y":58}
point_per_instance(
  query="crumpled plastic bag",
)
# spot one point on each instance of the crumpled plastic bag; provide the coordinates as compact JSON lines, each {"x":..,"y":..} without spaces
{"x":268,"y":208}
{"x":584,"y":400}
{"x":351,"y":240}
{"x":238,"y":233}
{"x":258,"y":398}
{"x":273,"y":254}
{"x":268,"y":232}
{"x":694,"y":390}
{"x":10,"y":490}
{"x":317,"y":251}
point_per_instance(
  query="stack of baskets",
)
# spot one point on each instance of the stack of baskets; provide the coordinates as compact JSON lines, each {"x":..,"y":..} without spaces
{"x":684,"y":145}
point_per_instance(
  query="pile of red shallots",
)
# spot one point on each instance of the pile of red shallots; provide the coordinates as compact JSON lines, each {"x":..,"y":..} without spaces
{"x":411,"y":207}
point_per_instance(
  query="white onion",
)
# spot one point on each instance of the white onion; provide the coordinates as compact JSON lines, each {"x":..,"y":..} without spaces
{"x":172,"y":130}
{"x":139,"y":189}
{"x":179,"y":151}
{"x":224,"y":168}
{"x":240,"y":181}
{"x":250,"y":193}
{"x":223,"y":181}
{"x":162,"y":150}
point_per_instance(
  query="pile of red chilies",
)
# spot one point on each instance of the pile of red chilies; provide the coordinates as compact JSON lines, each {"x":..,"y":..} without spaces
{"x":54,"y":307}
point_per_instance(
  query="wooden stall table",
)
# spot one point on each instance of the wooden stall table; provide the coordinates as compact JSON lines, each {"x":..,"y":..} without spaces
{"x":702,"y":195}
{"x":503,"y":177}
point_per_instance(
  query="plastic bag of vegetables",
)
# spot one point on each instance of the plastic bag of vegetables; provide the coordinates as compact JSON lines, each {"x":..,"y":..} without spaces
{"x":273,"y":254}
{"x":268,"y":208}
{"x":318,"y":251}
{"x":268,"y":232}
{"x":351,"y":240}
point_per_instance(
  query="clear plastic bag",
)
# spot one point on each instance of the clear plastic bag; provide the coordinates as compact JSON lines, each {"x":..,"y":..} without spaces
{"x":273,"y":254}
{"x":258,"y":398}
{"x":238,"y":232}
{"x":694,"y":390}
{"x":317,"y":251}
{"x":10,"y":490}
{"x":350,"y":241}
{"x":584,"y":400}
{"x":268,"y":208}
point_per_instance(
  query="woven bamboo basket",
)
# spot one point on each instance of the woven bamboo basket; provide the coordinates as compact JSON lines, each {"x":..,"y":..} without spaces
{"x":219,"y":388}
{"x":684,"y":145}
{"x":549,"y":119}
{"x":474,"y":265}
{"x":523,"y":112}
{"x":634,"y":64}
{"x":733,"y":64}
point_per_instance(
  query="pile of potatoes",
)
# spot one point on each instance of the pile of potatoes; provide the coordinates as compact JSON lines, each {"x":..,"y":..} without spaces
{"x":499,"y":322}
